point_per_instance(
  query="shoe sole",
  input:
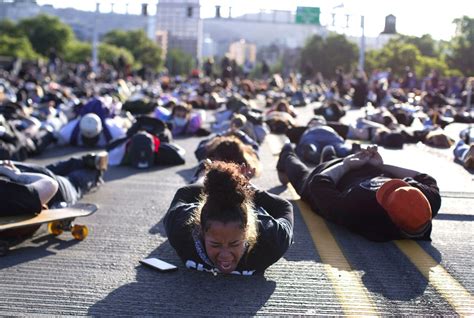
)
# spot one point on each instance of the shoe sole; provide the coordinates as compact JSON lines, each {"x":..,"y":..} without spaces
{"x":102,"y":162}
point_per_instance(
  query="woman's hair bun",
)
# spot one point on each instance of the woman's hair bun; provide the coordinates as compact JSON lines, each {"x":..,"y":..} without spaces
{"x":225,"y":184}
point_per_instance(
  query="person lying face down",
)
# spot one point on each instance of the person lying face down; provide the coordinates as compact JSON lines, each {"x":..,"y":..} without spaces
{"x":378,"y":201}
{"x":227,"y":225}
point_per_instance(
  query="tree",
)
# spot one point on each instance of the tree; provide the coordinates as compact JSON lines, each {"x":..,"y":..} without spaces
{"x":339,"y":52}
{"x":110,"y":54}
{"x":179,"y":62}
{"x":425,"y":44}
{"x":79,"y":52}
{"x":16,"y":47}
{"x":426,"y":64}
{"x":462,"y":46}
{"x":8,"y":27}
{"x":46,"y":33}
{"x":397,"y":55}
{"x":310,"y":61}
{"x":144,"y":50}
{"x":325,"y":55}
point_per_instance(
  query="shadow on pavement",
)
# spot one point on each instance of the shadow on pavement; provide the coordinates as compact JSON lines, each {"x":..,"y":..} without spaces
{"x":185,"y":292}
{"x":386,"y":269}
{"x":187,"y":174}
{"x":158,"y":228}
{"x":45,"y":245}
{"x":121,"y":172}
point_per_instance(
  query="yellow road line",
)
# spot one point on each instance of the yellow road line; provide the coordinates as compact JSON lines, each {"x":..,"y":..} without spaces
{"x":450,"y":289}
{"x":454,"y":293}
{"x":351,"y":292}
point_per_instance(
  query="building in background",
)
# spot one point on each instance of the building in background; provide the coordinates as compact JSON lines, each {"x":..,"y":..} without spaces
{"x":161,"y":37}
{"x":182,"y":20}
{"x":177,"y":24}
{"x":264,"y":29}
{"x":243,"y":52}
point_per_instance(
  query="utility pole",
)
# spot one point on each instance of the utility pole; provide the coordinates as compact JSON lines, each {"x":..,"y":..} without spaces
{"x":362,"y":45}
{"x":95,"y":40}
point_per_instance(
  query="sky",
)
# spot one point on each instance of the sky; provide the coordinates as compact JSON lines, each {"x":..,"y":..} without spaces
{"x":414,"y":17}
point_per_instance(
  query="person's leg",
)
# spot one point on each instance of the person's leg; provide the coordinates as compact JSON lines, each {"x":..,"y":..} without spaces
{"x":97,"y":161}
{"x":291,"y":165}
{"x":468,"y":158}
{"x":309,"y":152}
{"x":460,"y":150}
{"x":84,"y":180}
{"x":65,"y":167}
{"x":328,"y":153}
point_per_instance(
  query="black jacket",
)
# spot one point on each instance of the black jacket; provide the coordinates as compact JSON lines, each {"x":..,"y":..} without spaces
{"x":275,"y":231}
{"x":352,"y":202}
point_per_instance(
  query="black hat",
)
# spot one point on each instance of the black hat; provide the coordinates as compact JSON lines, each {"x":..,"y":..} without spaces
{"x":142,"y":150}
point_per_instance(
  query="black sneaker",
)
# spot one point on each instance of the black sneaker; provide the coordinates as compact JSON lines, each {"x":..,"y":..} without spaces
{"x":287,"y":149}
{"x":310,"y":153}
{"x":328,"y":153}
{"x":97,"y":161}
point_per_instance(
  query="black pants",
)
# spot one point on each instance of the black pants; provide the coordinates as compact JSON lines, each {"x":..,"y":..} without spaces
{"x":300,"y":175}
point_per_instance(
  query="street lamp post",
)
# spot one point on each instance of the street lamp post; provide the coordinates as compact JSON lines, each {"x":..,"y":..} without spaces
{"x":362,"y":45}
{"x":95,"y":40}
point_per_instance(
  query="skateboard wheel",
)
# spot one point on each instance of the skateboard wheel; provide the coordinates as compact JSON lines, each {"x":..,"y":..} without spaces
{"x":55,"y":228}
{"x":79,"y":232}
{"x":4,"y":248}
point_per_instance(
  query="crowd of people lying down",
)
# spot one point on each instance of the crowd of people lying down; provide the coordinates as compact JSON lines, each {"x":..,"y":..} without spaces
{"x":220,"y":221}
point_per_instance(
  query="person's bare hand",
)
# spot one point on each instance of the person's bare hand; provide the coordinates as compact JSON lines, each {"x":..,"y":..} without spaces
{"x":8,"y":164}
{"x":357,"y":160}
{"x":247,"y":171}
{"x":375,"y":157}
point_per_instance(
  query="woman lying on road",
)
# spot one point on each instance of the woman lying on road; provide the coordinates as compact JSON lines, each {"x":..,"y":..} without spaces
{"x":227,"y":225}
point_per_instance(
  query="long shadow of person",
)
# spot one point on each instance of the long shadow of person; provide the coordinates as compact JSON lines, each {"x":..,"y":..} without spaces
{"x":387,"y":270}
{"x":185,"y":292}
{"x":299,"y":250}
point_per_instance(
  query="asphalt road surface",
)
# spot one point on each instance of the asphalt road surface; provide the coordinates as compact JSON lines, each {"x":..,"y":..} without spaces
{"x":328,"y":270}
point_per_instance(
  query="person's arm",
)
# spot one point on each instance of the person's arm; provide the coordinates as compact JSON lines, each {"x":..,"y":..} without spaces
{"x":352,"y":162}
{"x":43,"y":184}
{"x":275,"y":228}
{"x":276,"y":206}
{"x":399,"y":172}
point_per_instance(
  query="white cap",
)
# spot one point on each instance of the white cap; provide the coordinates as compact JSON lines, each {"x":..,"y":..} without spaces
{"x":90,"y":125}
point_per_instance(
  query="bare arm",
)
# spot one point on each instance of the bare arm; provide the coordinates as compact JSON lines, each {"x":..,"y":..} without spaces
{"x":43,"y":184}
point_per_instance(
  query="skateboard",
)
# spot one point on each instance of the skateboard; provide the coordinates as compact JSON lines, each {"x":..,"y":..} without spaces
{"x":58,"y":220}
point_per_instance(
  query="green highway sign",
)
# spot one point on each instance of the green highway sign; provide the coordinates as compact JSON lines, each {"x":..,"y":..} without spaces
{"x":307,"y":15}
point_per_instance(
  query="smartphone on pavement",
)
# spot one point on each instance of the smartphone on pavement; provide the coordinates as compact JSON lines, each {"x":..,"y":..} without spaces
{"x":159,"y":265}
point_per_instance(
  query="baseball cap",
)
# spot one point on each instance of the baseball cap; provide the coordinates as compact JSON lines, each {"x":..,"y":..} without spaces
{"x":407,"y":206}
{"x":142,"y":150}
{"x":90,"y":125}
